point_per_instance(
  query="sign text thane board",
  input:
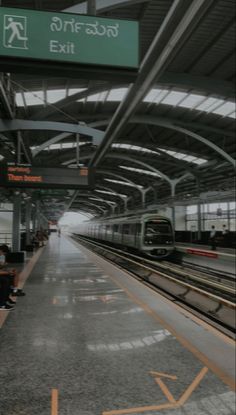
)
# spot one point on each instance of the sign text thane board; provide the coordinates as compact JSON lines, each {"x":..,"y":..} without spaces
{"x":45,"y":177}
{"x":65,"y":37}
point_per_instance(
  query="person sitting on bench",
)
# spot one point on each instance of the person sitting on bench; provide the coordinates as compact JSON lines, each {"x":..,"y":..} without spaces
{"x":11,"y":273}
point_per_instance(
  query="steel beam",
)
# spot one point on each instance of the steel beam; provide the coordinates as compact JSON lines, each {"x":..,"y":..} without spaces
{"x":176,"y":126}
{"x":5,"y":99}
{"x":208,"y":143}
{"x":112,"y":191}
{"x":173,"y":123}
{"x":179,"y":23}
{"x":218,"y":88}
{"x":62,"y":103}
{"x":117,"y":176}
{"x":140,"y":163}
{"x":96,"y":207}
{"x":26,"y":149}
{"x":103,"y":5}
{"x":20,"y":125}
{"x":86,"y":197}
{"x":51,"y":126}
{"x":150,"y":119}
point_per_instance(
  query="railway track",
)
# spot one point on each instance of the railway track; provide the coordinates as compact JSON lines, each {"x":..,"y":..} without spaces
{"x":210,"y":296}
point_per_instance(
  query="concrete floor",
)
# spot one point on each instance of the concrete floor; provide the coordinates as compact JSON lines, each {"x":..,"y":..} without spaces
{"x":77,"y":331}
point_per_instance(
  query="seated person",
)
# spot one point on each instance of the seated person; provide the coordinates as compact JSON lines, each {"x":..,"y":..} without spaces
{"x":6,"y":303}
{"x":39,"y":239}
{"x":45,"y":235}
{"x":11,"y":273}
{"x":35,"y":241}
{"x":6,"y":279}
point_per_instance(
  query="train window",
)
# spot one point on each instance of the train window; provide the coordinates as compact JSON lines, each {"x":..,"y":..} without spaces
{"x":132,"y":228}
{"x":157,"y":227}
{"x":126,"y":229}
{"x":115,"y":228}
{"x":159,"y":232}
{"x":108,"y":229}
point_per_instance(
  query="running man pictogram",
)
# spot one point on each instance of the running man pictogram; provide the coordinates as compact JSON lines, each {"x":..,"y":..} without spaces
{"x":15,"y":31}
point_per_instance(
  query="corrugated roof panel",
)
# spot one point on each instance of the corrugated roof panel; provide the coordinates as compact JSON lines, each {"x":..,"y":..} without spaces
{"x":212,"y":30}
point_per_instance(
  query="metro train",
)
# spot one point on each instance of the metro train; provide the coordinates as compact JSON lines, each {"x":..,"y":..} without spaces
{"x":151,"y":234}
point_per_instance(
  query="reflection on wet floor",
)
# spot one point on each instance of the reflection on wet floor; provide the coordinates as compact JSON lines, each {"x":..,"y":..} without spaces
{"x":156,"y":337}
{"x":80,"y":333}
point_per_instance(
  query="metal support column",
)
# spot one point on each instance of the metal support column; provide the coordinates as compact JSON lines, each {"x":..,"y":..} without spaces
{"x":18,"y":148}
{"x":91,"y":7}
{"x":113,"y":208}
{"x":185,"y":218}
{"x":77,"y":149}
{"x":28,"y":209}
{"x":37,"y":215}
{"x":16,"y":222}
{"x":34,"y":219}
{"x":143,"y":195}
{"x":228,"y":215}
{"x":199,"y":214}
{"x":154,"y":195}
{"x":125,"y":200}
{"x":173,"y":186}
{"x":199,"y":220}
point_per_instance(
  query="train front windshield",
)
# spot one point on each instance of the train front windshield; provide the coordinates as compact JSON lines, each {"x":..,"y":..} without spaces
{"x":158,"y":232}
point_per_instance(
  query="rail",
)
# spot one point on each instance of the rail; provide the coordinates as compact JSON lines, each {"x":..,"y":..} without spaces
{"x":214,"y":300}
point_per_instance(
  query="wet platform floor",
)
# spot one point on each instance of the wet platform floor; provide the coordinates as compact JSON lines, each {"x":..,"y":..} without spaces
{"x":79,"y":333}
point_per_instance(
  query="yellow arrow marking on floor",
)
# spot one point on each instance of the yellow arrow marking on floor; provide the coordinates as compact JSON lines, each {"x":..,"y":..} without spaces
{"x":54,"y":407}
{"x":165,"y":390}
{"x":172,"y":403}
{"x":163,"y":375}
{"x":163,"y":387}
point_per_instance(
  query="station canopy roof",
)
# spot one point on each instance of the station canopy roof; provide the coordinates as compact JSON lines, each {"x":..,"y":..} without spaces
{"x":166,"y":129}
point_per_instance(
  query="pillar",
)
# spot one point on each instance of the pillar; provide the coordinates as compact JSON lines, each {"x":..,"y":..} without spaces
{"x":154,"y":195}
{"x":143,"y":195}
{"x":16,"y":222}
{"x":34,"y":219}
{"x":91,"y":7}
{"x":125,"y":200}
{"x":228,"y":215}
{"x":199,"y":213}
{"x":199,"y":220}
{"x":28,"y":209}
{"x":113,"y":208}
{"x":37,"y":215}
{"x":173,"y":186}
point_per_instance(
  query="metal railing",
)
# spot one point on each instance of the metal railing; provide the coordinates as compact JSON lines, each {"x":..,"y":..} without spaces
{"x":6,"y":238}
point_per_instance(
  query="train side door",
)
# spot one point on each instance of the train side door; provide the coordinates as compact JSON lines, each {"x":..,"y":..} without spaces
{"x":137,"y":241}
{"x":125,"y":233}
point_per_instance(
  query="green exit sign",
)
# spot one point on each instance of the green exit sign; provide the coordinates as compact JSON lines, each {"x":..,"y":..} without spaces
{"x":64,"y":37}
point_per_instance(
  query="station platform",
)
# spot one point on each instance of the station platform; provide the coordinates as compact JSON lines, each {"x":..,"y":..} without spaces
{"x":221,"y":260}
{"x":88,"y":339}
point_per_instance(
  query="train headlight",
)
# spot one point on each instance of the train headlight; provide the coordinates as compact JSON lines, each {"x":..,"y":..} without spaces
{"x":161,"y":251}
